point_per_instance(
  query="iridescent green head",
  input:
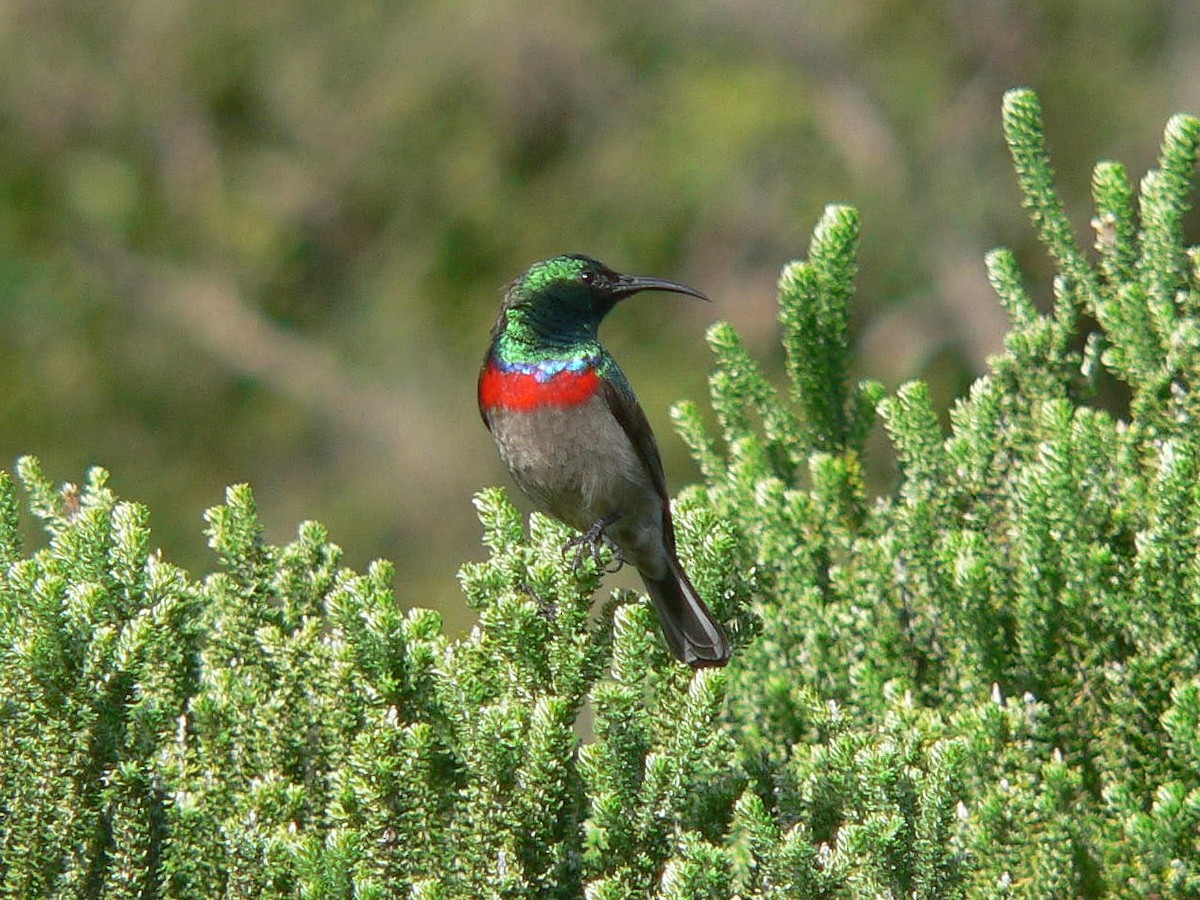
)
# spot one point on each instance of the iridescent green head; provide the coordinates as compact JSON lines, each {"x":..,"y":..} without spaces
{"x":565,"y":298}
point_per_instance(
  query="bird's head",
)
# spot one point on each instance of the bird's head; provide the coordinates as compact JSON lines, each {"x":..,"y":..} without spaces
{"x":568,"y":296}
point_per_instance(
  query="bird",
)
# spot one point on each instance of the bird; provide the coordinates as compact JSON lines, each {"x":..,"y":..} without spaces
{"x":576,"y":441}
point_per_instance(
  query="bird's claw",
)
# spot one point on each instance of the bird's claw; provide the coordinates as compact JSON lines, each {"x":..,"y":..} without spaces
{"x":592,"y":542}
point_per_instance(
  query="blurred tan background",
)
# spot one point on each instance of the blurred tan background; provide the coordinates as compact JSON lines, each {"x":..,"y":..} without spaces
{"x":265,"y":241}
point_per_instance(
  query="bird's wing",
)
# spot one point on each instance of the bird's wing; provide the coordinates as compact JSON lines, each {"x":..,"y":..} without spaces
{"x":628,"y":412}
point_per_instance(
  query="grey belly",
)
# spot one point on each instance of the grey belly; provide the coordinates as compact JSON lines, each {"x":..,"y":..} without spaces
{"x":578,"y":465}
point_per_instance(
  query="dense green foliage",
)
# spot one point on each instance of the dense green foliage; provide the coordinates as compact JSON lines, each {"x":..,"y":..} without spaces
{"x":986,"y":684}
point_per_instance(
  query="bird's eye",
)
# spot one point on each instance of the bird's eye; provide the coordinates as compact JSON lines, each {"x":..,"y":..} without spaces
{"x":587,"y":276}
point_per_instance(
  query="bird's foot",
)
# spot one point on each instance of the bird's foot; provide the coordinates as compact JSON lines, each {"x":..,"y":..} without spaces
{"x":592,"y":542}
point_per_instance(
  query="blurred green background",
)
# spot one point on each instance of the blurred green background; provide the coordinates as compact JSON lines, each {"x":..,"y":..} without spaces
{"x":265,"y":241}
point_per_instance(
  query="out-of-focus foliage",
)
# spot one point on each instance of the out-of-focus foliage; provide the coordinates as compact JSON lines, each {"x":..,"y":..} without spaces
{"x":982,"y":685}
{"x":264,"y":241}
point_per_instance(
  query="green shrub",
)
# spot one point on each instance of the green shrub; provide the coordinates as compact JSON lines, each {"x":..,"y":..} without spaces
{"x":984,"y":685}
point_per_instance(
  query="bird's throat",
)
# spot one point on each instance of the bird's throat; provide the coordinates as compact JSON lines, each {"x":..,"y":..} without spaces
{"x":526,"y":386}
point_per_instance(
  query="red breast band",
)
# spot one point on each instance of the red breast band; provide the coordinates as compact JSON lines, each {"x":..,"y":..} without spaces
{"x":524,"y":391}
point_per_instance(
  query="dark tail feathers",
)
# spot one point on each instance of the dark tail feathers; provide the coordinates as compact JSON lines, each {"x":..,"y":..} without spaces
{"x":692,"y":633}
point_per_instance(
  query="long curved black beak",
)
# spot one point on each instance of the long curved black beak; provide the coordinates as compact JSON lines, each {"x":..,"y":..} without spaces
{"x":628,"y":285}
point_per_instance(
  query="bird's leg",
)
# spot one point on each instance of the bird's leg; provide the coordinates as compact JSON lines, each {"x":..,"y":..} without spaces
{"x":593,"y":541}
